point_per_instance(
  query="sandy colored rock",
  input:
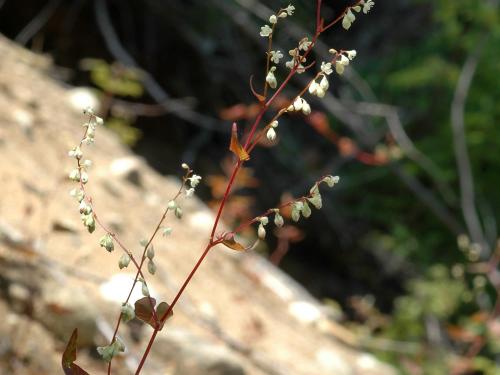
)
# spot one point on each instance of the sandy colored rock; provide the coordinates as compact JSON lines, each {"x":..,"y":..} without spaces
{"x":249,"y":319}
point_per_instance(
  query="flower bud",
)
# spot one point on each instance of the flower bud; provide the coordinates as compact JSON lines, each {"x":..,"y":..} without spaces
{"x":128,"y":312}
{"x":178,"y":212}
{"x":264,"y":220}
{"x":313,"y":87}
{"x":172,"y":205}
{"x":296,"y":208}
{"x":271,"y":134}
{"x":306,"y":108}
{"x":144,"y":289}
{"x":261,"y":232}
{"x":74,"y":175}
{"x":124,"y":261}
{"x":107,"y":242}
{"x":278,"y":220}
{"x":150,"y":252}
{"x":331,"y":180}
{"x":306,"y":210}
{"x":297,"y":104}
{"x":316,"y":201}
{"x":151,"y":267}
{"x":273,"y":19}
{"x":324,"y":84}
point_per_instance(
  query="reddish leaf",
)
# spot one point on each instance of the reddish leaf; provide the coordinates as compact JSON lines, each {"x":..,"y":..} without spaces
{"x":69,"y":357}
{"x":235,"y":145}
{"x":233,"y":245}
{"x":161,"y":310}
{"x":144,"y":312}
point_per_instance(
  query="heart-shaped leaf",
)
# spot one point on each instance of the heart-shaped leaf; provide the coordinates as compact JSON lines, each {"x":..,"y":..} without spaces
{"x":144,"y":311}
{"x":69,"y":357}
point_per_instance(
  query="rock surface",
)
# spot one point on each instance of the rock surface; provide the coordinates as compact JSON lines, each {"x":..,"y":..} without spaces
{"x":240,"y":315}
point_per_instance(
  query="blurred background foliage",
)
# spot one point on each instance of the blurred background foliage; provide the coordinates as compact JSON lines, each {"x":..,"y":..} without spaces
{"x":173,"y":75}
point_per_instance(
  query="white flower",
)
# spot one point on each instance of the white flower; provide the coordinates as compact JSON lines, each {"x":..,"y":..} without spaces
{"x":271,"y":134}
{"x":274,"y":124}
{"x":276,"y":56}
{"x":261,"y":232}
{"x":348,"y":19}
{"x":74,"y":175}
{"x":87,"y":163}
{"x":331,"y":180}
{"x":289,"y":9}
{"x":264,"y":220}
{"x":184,"y":166}
{"x":333,"y":51}
{"x":326,"y":68}
{"x":265,"y":31}
{"x":367,"y":6}
{"x":271,"y":79}
{"x":273,"y":19}
{"x":320,"y":92}
{"x":278,"y":220}
{"x":341,"y":64}
{"x":351,"y":54}
{"x":301,"y":69}
{"x":76,"y":152}
{"x":304,"y":44}
{"x":290,"y":64}
{"x":194,"y":180}
{"x":84,"y":177}
{"x":313,"y":87}
{"x":297,"y":104}
{"x":189,"y":192}
{"x":324,"y":83}
{"x":306,"y":108}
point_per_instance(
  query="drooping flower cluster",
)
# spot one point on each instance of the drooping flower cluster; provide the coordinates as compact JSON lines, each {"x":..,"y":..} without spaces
{"x":271,"y":132}
{"x":300,"y":104}
{"x":80,"y":175}
{"x":349,"y":16}
{"x":193,"y":180}
{"x":299,"y":208}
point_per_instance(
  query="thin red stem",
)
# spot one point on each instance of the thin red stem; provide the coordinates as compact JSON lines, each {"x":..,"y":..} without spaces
{"x":237,"y":167}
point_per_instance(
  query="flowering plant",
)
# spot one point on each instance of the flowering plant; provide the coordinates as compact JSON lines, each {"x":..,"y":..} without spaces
{"x":145,"y":308}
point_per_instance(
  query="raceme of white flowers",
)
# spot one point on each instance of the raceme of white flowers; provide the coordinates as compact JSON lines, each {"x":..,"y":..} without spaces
{"x":80,"y":175}
{"x":271,"y":132}
{"x":299,"y":207}
{"x":349,"y":16}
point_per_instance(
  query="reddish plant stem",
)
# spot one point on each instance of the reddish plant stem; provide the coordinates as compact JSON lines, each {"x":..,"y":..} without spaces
{"x":139,"y":271}
{"x":237,"y":167}
{"x":171,"y":307}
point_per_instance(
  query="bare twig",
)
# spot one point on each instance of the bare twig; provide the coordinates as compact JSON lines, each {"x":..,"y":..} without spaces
{"x":464,"y":169}
{"x":34,"y":26}
{"x":151,"y":85}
